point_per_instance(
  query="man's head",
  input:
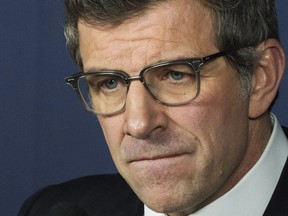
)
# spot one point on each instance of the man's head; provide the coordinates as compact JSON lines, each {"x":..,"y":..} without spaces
{"x":179,"y":158}
{"x":236,"y":24}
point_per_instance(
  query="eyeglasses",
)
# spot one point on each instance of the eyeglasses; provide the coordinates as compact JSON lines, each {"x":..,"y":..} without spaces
{"x":171,"y":83}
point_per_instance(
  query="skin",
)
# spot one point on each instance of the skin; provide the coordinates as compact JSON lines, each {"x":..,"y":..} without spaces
{"x":178,"y":159}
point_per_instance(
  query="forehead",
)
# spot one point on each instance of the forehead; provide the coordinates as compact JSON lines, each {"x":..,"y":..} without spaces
{"x":174,"y":29}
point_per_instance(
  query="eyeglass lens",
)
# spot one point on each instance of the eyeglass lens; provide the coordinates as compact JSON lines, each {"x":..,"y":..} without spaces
{"x":172,"y":84}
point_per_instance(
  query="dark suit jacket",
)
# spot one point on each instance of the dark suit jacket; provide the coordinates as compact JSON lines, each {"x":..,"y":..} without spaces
{"x":100,"y":195}
{"x":109,"y":195}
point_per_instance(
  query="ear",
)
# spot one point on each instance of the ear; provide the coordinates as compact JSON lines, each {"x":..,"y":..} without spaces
{"x":267,"y":77}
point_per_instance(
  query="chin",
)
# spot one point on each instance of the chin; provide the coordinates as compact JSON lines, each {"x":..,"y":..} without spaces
{"x":167,"y":201}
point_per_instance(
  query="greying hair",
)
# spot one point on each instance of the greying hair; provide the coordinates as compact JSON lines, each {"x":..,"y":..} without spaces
{"x":237,"y":24}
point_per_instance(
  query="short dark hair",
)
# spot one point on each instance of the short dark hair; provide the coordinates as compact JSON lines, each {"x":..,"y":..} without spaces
{"x":237,"y":24}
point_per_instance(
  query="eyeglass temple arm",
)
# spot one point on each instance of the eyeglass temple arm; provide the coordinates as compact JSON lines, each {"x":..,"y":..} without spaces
{"x":213,"y":56}
{"x":71,"y":81}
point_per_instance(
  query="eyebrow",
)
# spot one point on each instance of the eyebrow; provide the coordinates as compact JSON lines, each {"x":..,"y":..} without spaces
{"x":94,"y":69}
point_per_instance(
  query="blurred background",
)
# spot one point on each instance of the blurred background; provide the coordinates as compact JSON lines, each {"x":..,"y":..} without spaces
{"x":46,"y":136}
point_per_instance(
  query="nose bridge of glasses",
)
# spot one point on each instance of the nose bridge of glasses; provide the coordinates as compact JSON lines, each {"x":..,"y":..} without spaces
{"x":132,"y":78}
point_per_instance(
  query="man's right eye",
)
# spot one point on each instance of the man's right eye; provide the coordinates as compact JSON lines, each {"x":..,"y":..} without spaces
{"x":110,"y":84}
{"x":175,"y":75}
{"x":103,"y":83}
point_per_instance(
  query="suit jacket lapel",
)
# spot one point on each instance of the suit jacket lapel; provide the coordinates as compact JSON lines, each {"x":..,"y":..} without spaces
{"x":278,"y":204}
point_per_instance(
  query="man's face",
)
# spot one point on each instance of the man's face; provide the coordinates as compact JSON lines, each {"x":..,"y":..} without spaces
{"x":174,"y":157}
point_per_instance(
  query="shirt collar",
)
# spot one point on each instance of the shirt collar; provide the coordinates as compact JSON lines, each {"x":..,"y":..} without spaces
{"x":256,"y":187}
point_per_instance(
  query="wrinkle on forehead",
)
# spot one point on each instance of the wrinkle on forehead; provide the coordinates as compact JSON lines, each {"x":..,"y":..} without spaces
{"x":151,"y":38}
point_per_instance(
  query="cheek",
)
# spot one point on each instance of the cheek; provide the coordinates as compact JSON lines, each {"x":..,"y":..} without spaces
{"x":220,"y":113}
{"x":220,"y":123}
{"x":212,"y":115}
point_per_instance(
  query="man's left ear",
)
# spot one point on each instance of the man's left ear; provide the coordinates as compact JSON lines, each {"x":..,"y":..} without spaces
{"x":267,"y":77}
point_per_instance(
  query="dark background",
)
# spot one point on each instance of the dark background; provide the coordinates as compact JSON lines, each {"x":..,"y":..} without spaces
{"x":46,"y":136}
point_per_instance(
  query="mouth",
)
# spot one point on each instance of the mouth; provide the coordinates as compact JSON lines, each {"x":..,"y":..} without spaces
{"x":158,"y":158}
{"x":160,"y":166}
{"x":160,"y":162}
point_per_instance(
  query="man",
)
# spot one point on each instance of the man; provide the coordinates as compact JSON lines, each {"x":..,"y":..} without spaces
{"x":182,"y":90}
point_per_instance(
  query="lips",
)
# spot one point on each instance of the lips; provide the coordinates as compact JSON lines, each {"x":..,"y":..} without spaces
{"x":158,"y":157}
{"x":156,"y":148}
{"x":159,"y":168}
{"x":152,"y":153}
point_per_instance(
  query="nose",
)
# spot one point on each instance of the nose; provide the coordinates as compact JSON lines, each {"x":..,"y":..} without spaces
{"x":143,"y":114}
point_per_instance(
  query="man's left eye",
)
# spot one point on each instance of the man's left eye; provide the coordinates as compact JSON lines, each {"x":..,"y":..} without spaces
{"x":175,"y":75}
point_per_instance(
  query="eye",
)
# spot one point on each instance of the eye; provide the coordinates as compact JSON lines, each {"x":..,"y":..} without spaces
{"x":104,"y":83}
{"x":175,"y":75}
{"x":110,"y":84}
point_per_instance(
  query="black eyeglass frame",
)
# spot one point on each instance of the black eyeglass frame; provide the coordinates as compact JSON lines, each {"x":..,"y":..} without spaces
{"x":195,"y":63}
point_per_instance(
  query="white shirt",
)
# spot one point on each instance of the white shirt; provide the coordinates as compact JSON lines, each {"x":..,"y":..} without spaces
{"x":255,"y":189}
